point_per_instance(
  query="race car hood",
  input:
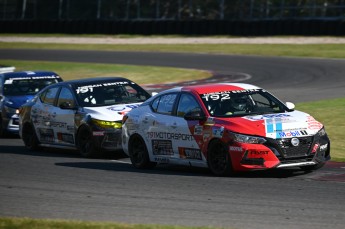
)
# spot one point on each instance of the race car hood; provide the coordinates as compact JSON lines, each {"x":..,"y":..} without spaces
{"x":110,"y":113}
{"x":17,"y":101}
{"x":282,"y":125}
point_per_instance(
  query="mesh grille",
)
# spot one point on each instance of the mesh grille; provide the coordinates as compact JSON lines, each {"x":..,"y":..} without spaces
{"x":287,"y":150}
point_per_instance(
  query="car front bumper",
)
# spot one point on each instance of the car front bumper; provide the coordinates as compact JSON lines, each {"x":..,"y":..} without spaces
{"x":108,"y":140}
{"x":11,"y":123}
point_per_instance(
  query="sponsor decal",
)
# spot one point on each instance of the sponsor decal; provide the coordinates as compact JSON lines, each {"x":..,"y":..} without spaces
{"x":58,"y":124}
{"x":170,"y":136}
{"x":224,"y":95}
{"x":10,"y":80}
{"x":198,"y":130}
{"x":161,"y":160}
{"x":89,"y":88}
{"x":323,"y":147}
{"x":315,"y":147}
{"x":235,"y":148}
{"x":210,"y":121}
{"x":98,"y":133}
{"x":65,"y":137}
{"x":189,"y":153}
{"x":46,"y":135}
{"x":162,"y":147}
{"x":269,"y":116}
{"x":289,"y":134}
{"x":257,"y":152}
{"x":218,"y":132}
{"x":123,"y":107}
{"x":206,"y":136}
{"x":313,"y":124}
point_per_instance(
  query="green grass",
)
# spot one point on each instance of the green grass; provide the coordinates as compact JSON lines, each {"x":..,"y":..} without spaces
{"x":331,"y":114}
{"x":291,"y":50}
{"x":19,"y":223}
{"x":138,"y":74}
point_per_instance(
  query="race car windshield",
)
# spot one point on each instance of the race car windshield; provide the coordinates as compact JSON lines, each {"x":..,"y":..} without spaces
{"x":26,"y":86}
{"x":106,"y":94}
{"x":242,"y":103}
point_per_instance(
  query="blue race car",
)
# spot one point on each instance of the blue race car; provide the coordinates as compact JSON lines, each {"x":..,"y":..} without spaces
{"x":17,"y":88}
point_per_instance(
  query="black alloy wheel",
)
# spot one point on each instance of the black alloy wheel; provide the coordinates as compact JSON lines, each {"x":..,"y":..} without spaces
{"x":218,"y":159}
{"x":138,"y":154}
{"x":29,"y":137}
{"x":86,"y":143}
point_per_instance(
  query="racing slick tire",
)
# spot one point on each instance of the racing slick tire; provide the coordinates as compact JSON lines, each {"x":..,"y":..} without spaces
{"x":138,"y":153}
{"x":29,"y":137}
{"x":86,"y":143}
{"x":218,"y":159}
{"x":2,"y":129}
{"x":310,"y":168}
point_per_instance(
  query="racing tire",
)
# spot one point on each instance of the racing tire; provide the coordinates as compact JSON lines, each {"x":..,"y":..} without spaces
{"x":218,"y":159}
{"x":138,"y":154}
{"x":86,"y":143}
{"x":29,"y":137}
{"x":310,"y":168}
{"x":2,"y":129}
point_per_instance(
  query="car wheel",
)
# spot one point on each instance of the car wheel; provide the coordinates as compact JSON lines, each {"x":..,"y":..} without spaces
{"x":138,"y":153}
{"x":86,"y":143}
{"x":310,"y":168}
{"x":2,"y":130}
{"x":218,"y":159}
{"x":29,"y":137}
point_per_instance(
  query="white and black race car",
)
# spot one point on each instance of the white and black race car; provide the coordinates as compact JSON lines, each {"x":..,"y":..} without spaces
{"x":83,"y":114}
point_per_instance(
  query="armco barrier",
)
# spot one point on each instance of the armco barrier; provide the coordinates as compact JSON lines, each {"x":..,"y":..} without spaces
{"x":191,"y":27}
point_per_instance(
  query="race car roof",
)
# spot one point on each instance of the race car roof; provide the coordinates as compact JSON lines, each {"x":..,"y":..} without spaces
{"x":27,"y":74}
{"x":96,"y":79}
{"x":209,"y":88}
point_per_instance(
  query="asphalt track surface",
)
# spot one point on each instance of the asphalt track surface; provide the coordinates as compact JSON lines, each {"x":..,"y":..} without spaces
{"x":58,"y":184}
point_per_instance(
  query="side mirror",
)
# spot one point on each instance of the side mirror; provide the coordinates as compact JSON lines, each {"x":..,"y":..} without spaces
{"x":66,"y":106}
{"x":290,"y":105}
{"x":195,"y":115}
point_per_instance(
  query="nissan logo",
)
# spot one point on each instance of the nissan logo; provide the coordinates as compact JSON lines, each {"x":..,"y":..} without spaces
{"x":295,"y":141}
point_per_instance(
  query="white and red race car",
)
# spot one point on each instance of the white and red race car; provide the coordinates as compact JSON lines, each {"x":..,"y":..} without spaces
{"x":225,"y":127}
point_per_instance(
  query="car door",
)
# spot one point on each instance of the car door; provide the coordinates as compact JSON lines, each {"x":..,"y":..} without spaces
{"x":159,"y":133}
{"x":188,"y":140}
{"x":42,"y":114}
{"x":64,"y":116}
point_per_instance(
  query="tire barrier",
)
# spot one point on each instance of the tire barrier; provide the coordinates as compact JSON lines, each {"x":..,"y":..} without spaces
{"x":156,"y":27}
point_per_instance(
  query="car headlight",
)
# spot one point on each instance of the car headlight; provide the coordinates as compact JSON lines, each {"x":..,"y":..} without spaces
{"x":107,"y":124}
{"x":322,"y":132}
{"x":11,"y":110}
{"x":241,"y":138}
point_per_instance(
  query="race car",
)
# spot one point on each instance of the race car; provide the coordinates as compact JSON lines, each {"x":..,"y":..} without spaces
{"x":4,"y":69}
{"x":83,"y":114}
{"x":227,"y":128}
{"x":16,"y":88}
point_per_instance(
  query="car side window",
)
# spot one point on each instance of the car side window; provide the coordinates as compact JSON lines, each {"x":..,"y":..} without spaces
{"x":186,"y":104}
{"x":164,"y":104}
{"x":48,"y":97}
{"x":66,"y":97}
